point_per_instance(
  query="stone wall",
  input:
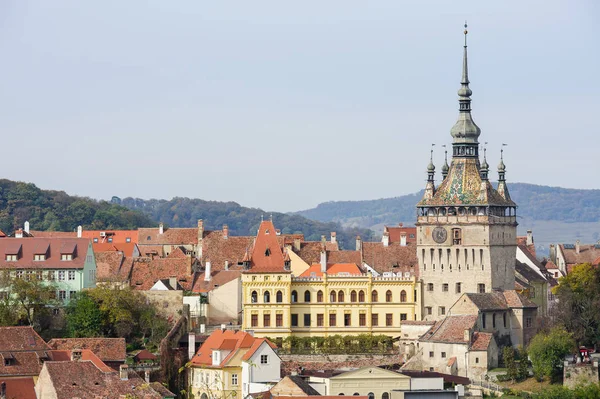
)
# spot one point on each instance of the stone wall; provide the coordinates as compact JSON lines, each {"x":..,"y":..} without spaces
{"x":291,"y":363}
{"x":168,"y":303}
{"x":581,"y":373}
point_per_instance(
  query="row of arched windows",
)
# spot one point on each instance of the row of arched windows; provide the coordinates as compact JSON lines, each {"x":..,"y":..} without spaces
{"x":333,"y":296}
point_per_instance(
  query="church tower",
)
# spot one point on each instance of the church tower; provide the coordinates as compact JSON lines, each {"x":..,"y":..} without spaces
{"x":466,"y":228}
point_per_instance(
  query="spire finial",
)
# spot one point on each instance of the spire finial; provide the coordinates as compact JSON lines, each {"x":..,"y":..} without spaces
{"x":262,"y":217}
{"x":466,"y":32}
{"x":431,"y":153}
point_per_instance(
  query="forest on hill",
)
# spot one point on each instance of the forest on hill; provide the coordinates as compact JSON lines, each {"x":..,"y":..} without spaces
{"x":58,"y":211}
{"x":185,"y":212}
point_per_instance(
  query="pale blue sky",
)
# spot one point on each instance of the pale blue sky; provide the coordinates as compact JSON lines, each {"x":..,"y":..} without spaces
{"x":281,"y":104}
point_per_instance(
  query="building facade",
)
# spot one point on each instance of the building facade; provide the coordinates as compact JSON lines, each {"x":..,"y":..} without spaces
{"x":466,"y":228}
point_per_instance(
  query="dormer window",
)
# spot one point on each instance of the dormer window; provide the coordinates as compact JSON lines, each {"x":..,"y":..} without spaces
{"x":128,"y":239}
{"x":110,"y":239}
{"x":8,"y":358}
{"x":95,"y":240}
{"x":68,"y":251}
{"x":12,"y":258}
{"x":66,"y":257}
{"x":268,"y":252}
{"x":39,"y":257}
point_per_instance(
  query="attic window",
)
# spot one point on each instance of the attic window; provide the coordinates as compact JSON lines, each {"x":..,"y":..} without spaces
{"x":11,"y":258}
{"x":95,"y":240}
{"x":64,"y":257}
{"x":128,"y":239}
{"x":9,"y":359}
{"x":110,"y":239}
{"x":267,"y":231}
{"x":39,"y":257}
{"x":268,"y":252}
{"x":148,"y":238}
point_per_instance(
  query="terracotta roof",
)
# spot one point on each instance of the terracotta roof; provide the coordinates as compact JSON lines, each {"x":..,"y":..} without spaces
{"x":217,"y":249}
{"x":395,"y":233}
{"x":21,"y":339}
{"x":146,"y":272}
{"x":86,"y":355}
{"x":451,"y":329}
{"x":332,"y":270}
{"x":53,"y":234}
{"x":145,"y":354}
{"x":162,"y":390}
{"x":516,"y":300}
{"x":128,"y":249}
{"x":107,"y":349}
{"x":310,"y":251}
{"x":344,"y":257}
{"x":267,"y":255}
{"x":218,"y":278}
{"x":83,"y":379}
{"x":113,"y":267}
{"x":53,"y":258}
{"x":587,"y":253}
{"x":393,"y":258}
{"x":451,"y":361}
{"x":489,"y":300}
{"x":522,"y":240}
{"x":170,"y":236}
{"x":255,"y":345}
{"x":243,"y":342}
{"x":417,"y":323}
{"x":481,"y":341}
{"x":151,"y":250}
{"x":20,"y":388}
{"x":448,"y":378}
{"x":550,"y":265}
{"x":303,"y":385}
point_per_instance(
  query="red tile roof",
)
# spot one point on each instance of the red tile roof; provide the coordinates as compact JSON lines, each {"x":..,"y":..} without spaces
{"x":481,"y":341}
{"x":332,"y":270}
{"x":550,"y":265}
{"x":587,"y":253}
{"x":146,"y":272}
{"x":145,"y":354}
{"x":107,"y":349}
{"x":20,"y":388}
{"x":393,"y":258}
{"x":218,"y":278}
{"x":21,"y":339}
{"x":237,"y":341}
{"x":522,"y":240}
{"x":451,"y":329}
{"x":113,"y":267}
{"x":218,"y":250}
{"x":53,"y":258}
{"x":170,"y":236}
{"x":128,"y":249}
{"x":255,"y":345}
{"x":395,"y":232}
{"x":266,"y":255}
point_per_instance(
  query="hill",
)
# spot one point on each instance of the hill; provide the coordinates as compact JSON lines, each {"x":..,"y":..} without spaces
{"x":555,"y":214}
{"x":58,"y":211}
{"x":185,"y":212}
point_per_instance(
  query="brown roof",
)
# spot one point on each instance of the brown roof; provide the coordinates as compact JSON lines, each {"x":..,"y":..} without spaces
{"x":550,"y":265}
{"x":162,"y":390}
{"x":522,"y":240}
{"x":21,"y":339}
{"x":20,"y":388}
{"x":113,"y":267}
{"x":516,"y":300}
{"x":217,"y":249}
{"x":481,"y":341}
{"x":267,"y":256}
{"x":587,"y":253}
{"x":344,"y":257}
{"x":83,"y":379}
{"x":393,"y":258}
{"x":53,"y":234}
{"x":146,"y":272}
{"x":395,"y":233}
{"x":451,"y":329}
{"x":53,"y":258}
{"x":489,"y":300}
{"x":218,"y":278}
{"x":145,"y":354}
{"x":128,"y":248}
{"x":107,"y":349}
{"x":332,"y":270}
{"x":528,"y":273}
{"x":170,"y":236}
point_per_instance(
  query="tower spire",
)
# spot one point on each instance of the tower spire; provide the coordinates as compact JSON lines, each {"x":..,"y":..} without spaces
{"x":445,"y":166}
{"x":485,"y":167}
{"x":465,"y":132}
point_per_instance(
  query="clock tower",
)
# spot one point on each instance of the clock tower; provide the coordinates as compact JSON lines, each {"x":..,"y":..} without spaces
{"x":466,"y":228}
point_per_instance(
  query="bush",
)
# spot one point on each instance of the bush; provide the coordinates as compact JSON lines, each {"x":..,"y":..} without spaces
{"x":336,"y":344}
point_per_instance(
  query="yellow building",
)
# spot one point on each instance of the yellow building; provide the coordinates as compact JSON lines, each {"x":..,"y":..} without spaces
{"x":325,"y":299}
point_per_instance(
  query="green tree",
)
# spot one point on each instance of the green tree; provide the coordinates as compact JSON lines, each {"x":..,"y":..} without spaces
{"x":523,"y":368}
{"x":84,"y":318}
{"x":27,"y":299}
{"x":547,"y":351}
{"x":509,"y":362}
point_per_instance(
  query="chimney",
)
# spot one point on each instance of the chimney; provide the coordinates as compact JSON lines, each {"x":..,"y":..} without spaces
{"x":553,"y":253}
{"x":400,"y":224}
{"x":75,"y":355}
{"x":226,"y":265}
{"x":323,"y":239}
{"x":161,"y":228}
{"x":467,"y":335}
{"x":19,"y":233}
{"x":79,"y":231}
{"x":207,"y":272}
{"x":3,"y":390}
{"x":333,"y":237}
{"x":358,"y":243}
{"x":297,"y":244}
{"x":26,"y":227}
{"x":173,"y":282}
{"x":200,"y":237}
{"x":323,"y":260}
{"x":577,"y":247}
{"x":191,"y":345}
{"x":529,"y":237}
{"x":402,"y":239}
{"x":124,"y":372}
{"x":385,"y":239}
{"x":225,"y":231}
{"x":223,"y":327}
{"x":147,"y":376}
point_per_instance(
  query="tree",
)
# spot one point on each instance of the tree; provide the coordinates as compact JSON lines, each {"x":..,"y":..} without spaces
{"x":84,"y":318}
{"x":523,"y":369}
{"x":578,"y":296}
{"x":27,"y":299}
{"x":547,"y":351}
{"x":509,"y":362}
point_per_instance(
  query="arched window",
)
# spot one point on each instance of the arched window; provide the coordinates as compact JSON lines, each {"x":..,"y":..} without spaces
{"x":374,"y":296}
{"x":294,"y":297}
{"x":341,"y":296}
{"x":361,"y":296}
{"x":402,"y":296}
{"x":332,"y":296}
{"x":254,"y":296}
{"x":356,"y":394}
{"x":388,"y":296}
{"x":307,"y":296}
{"x":504,"y":319}
{"x":353,"y":296}
{"x":267,"y":297}
{"x":204,"y":396}
{"x":319,"y":296}
{"x":494,"y":320}
{"x":385,"y":395}
{"x":279,"y":297}
{"x":371,"y":395}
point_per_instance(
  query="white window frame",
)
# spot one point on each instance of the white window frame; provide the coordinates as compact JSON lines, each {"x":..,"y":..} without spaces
{"x":61,"y":275}
{"x":234,"y":379}
{"x":71,"y":275}
{"x":264,"y":359}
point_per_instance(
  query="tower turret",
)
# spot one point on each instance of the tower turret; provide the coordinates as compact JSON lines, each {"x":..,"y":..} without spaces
{"x":502,"y":187}
{"x":445,"y":166}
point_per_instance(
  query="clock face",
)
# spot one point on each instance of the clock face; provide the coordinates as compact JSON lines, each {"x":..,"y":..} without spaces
{"x":439,"y":235}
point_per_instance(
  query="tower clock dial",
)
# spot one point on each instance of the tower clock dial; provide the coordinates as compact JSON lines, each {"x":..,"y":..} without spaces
{"x":439,"y":235}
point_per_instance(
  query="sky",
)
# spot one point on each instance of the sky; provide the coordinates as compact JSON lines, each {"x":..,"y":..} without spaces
{"x":286,"y":104}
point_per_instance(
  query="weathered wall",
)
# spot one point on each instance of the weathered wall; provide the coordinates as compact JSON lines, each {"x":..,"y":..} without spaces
{"x":168,"y":303}
{"x":575,"y":374}
{"x":291,"y":363}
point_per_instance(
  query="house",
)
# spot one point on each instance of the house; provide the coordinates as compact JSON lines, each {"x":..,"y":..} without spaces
{"x":112,"y":351}
{"x":69,"y":263}
{"x":233,"y":364}
{"x":293,"y":385}
{"x":325,"y":299}
{"x":22,"y":352}
{"x":223,"y":292}
{"x":17,"y":388}
{"x":566,"y":256}
{"x":87,"y":377}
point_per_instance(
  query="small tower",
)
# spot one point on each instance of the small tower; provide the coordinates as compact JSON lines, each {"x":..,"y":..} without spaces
{"x":430,"y":187}
{"x":502,"y":187}
{"x":485,"y":167}
{"x":445,"y":166}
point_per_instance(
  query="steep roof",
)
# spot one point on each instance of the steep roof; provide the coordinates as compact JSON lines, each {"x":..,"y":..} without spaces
{"x":21,"y":388}
{"x":451,"y":329}
{"x":146,"y":272}
{"x":107,"y":349}
{"x":128,"y":248}
{"x":219,"y":248}
{"x":218,"y":278}
{"x":21,"y":339}
{"x":26,"y":248}
{"x":481,"y":341}
{"x":529,"y":274}
{"x":393,"y":258}
{"x":237,"y":341}
{"x":303,"y":385}
{"x":266,"y":255}
{"x":113,"y":267}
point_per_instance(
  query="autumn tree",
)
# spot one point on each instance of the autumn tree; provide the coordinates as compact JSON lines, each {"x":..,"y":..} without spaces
{"x":26,"y":300}
{"x":547,"y":351}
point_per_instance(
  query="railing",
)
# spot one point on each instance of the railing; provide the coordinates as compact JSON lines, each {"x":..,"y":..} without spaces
{"x":487,"y":385}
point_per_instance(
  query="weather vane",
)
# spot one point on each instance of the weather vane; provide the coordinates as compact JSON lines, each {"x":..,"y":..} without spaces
{"x":466,"y":31}
{"x":431,"y":154}
{"x":502,"y":151}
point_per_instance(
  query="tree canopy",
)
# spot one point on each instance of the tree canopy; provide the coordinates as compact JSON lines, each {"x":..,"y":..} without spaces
{"x":547,"y":351}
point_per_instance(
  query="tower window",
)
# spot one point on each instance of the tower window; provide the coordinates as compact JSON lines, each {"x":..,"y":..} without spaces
{"x":481,"y":288}
{"x":456,"y":237}
{"x":268,"y":252}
